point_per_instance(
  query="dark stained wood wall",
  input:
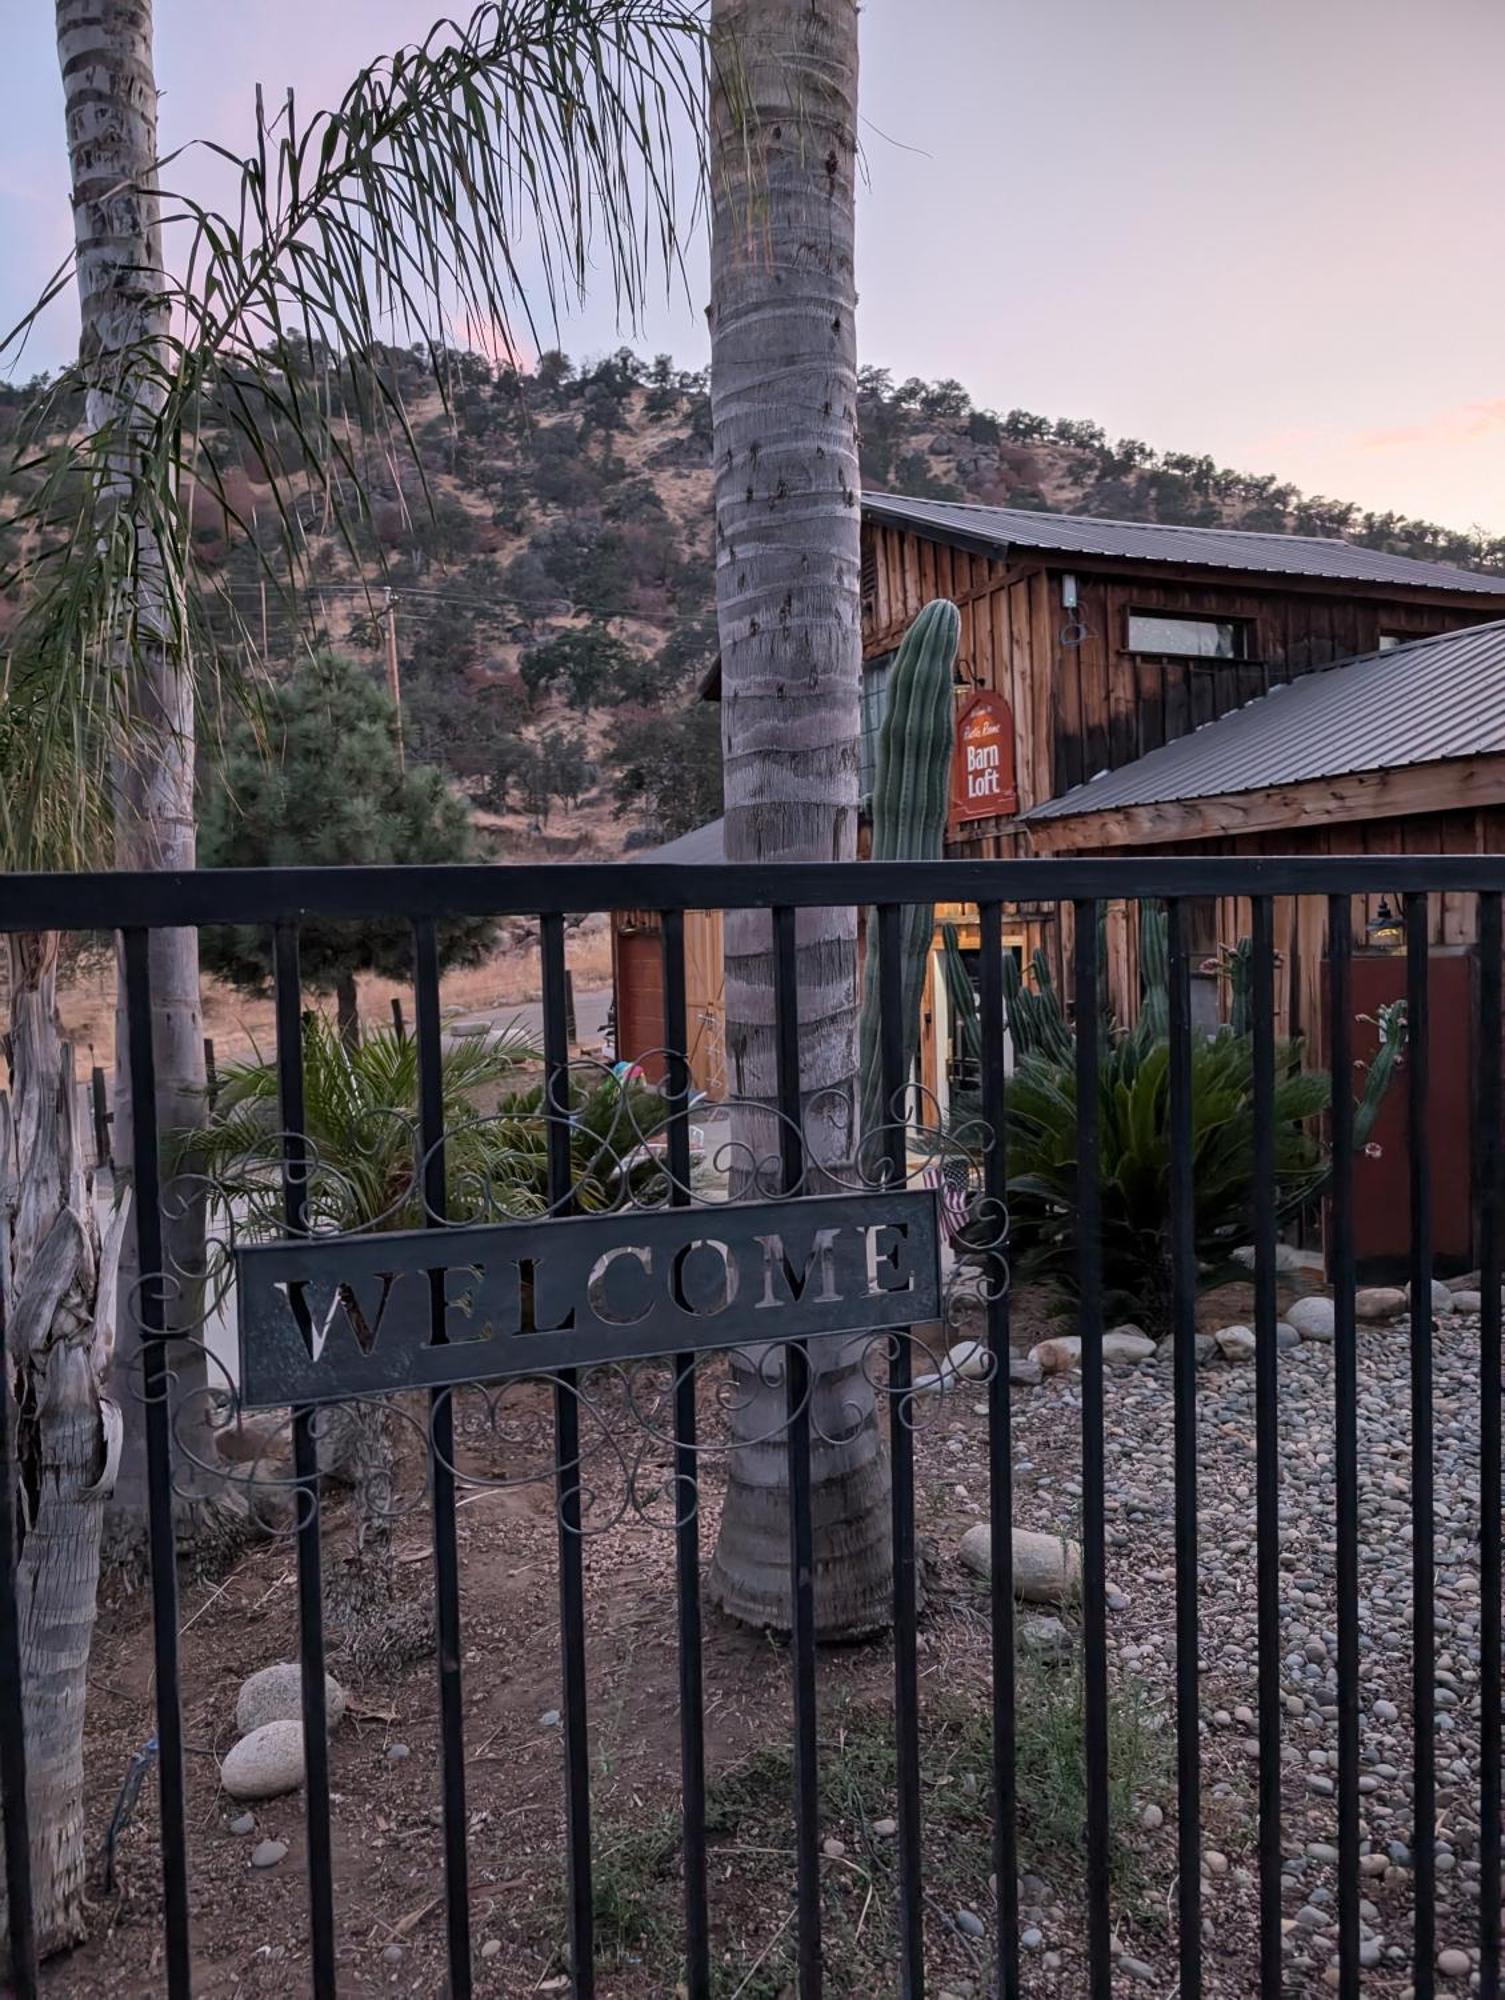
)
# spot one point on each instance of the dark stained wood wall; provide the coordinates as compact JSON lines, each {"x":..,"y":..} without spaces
{"x":1082,"y":702}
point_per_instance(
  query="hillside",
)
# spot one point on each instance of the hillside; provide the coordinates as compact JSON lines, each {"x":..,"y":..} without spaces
{"x":547,"y":544}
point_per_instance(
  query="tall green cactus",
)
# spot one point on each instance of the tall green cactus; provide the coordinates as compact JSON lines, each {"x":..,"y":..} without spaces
{"x":911,"y":796}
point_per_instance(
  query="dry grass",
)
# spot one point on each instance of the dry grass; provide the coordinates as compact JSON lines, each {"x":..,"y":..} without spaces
{"x":237,"y":1023}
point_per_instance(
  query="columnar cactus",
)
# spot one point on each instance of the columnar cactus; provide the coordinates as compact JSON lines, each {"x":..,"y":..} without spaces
{"x":911,"y":795}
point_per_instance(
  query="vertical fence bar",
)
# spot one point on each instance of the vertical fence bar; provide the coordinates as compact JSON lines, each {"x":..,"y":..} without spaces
{"x":101,"y":1109}
{"x":151,"y":1308}
{"x":686,"y":1494}
{"x":1094,"y":1522}
{"x":22,"y":1941}
{"x":797,"y":1391}
{"x":1423,"y":1614}
{"x":295,"y":1164}
{"x":567,"y":1488}
{"x":894,"y":1169}
{"x":1000,"y":1456}
{"x":429,"y":1031}
{"x":1487,"y":1170}
{"x":1183,"y":1239}
{"x":1345,"y":1429}
{"x":1266,"y":1445}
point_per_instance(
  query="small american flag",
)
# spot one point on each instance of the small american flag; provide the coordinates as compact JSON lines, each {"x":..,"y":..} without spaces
{"x":951,"y":1177}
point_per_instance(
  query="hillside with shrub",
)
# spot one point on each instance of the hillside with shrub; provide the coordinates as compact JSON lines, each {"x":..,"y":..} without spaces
{"x":542,"y":544}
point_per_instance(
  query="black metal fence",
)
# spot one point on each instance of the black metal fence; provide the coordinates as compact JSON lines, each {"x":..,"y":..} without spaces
{"x":882,"y":1194}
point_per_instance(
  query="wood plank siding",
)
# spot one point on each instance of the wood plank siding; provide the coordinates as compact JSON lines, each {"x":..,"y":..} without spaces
{"x":1083,"y":702}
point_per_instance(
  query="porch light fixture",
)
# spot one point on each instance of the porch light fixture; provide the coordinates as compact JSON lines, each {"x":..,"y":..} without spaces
{"x":1386,"y":930}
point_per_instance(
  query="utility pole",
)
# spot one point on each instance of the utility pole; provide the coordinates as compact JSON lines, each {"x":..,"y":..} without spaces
{"x":394,"y":674}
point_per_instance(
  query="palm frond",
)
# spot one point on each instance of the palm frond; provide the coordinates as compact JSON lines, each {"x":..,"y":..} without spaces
{"x":541,"y":135}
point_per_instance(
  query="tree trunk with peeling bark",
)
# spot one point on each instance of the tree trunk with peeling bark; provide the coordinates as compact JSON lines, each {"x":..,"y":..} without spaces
{"x":110,"y":98}
{"x":60,"y":1287}
{"x":784,"y":405}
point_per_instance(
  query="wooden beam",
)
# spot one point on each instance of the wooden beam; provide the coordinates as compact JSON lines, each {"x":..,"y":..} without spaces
{"x":1454,"y":785}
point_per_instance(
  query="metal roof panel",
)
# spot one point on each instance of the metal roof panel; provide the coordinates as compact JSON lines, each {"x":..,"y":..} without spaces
{"x":1435,"y":698}
{"x":1002,"y":529}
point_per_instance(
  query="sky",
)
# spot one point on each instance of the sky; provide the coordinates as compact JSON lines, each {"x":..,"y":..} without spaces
{"x":1269,"y":230}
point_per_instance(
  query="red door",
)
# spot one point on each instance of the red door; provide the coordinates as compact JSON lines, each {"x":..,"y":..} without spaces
{"x":1382,"y":1199}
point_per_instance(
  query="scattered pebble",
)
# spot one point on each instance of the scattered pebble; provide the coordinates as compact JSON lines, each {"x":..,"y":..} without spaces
{"x":267,"y":1853}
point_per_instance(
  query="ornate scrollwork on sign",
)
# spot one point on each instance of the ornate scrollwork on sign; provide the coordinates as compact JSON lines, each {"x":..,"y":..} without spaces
{"x":506,"y":1300}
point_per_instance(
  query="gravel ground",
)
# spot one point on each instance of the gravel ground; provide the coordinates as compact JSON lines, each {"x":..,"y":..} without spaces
{"x":1142,"y":1641}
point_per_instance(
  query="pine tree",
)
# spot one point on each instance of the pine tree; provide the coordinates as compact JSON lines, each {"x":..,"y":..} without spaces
{"x":318,"y":778}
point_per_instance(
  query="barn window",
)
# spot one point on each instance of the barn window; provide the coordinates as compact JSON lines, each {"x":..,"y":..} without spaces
{"x":1192,"y":638}
{"x":1390,"y":640}
{"x":869,"y":579}
{"x":875,"y":676}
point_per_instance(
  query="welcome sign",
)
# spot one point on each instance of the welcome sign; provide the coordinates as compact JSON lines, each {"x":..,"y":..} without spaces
{"x":321,"y":1319}
{"x":983,"y":782}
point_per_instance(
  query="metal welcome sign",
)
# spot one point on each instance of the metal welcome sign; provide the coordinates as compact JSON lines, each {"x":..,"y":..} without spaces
{"x":323,"y":1318}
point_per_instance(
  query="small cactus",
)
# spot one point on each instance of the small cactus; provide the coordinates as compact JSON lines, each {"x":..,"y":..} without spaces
{"x":911,"y":799}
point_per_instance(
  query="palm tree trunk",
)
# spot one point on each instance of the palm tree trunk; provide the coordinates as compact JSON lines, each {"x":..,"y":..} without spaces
{"x":110,"y":95}
{"x":60,"y":1290}
{"x":784,"y":406}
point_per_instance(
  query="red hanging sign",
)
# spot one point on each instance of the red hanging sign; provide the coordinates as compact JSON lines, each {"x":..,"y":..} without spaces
{"x":983,"y":782}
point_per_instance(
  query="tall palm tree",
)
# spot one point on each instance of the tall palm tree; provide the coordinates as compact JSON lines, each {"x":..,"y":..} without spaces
{"x":110,"y":105}
{"x":260,"y":335}
{"x":403,"y":211}
{"x":783,"y":142}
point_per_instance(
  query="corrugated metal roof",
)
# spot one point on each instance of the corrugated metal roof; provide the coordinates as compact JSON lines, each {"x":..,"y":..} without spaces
{"x":702,"y":844}
{"x":1000,"y":529}
{"x":1435,"y":698}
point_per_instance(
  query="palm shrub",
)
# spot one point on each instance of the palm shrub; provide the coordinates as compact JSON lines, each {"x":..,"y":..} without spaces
{"x":1134,"y":1126}
{"x":363,"y":1160}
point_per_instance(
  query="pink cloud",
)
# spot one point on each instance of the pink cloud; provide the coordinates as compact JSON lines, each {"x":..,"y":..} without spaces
{"x":1451,"y":426}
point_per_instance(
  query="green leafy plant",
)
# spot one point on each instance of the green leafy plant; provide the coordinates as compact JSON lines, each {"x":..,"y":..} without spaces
{"x":361,"y":1123}
{"x":1134,"y":1125}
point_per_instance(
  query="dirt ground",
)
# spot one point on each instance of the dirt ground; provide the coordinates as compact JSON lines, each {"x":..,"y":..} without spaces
{"x":250,"y":1923}
{"x":238,"y":1023}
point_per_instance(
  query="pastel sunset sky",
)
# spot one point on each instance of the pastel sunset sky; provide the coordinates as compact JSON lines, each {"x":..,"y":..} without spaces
{"x":1266,"y":229}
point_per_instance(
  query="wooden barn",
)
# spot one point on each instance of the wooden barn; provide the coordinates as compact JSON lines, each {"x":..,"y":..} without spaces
{"x":1130,"y":685}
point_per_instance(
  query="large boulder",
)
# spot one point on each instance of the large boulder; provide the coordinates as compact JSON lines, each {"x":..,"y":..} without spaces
{"x":1376,"y":1302}
{"x":1059,"y":1355}
{"x":266,"y":1763}
{"x":1047,"y":1568}
{"x":276,"y":1695}
{"x":1124,"y":1346}
{"x":1235,"y":1343}
{"x":1313,"y":1319}
{"x":1442,"y":1298}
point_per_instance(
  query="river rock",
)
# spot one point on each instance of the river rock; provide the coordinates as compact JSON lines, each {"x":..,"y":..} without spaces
{"x":1058,"y":1356}
{"x":1025,"y":1371}
{"x":1123,"y":1346}
{"x":266,"y":1763}
{"x":276,"y":1695}
{"x":1235,"y":1343}
{"x":1442,"y":1299}
{"x":1047,"y":1568}
{"x":970,"y":1359}
{"x":1468,"y":1301}
{"x":1313,"y":1319}
{"x":1204,"y":1345}
{"x":1372,"y":1302}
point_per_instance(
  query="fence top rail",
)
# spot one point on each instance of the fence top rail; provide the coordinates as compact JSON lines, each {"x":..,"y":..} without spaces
{"x":115,"y":900}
